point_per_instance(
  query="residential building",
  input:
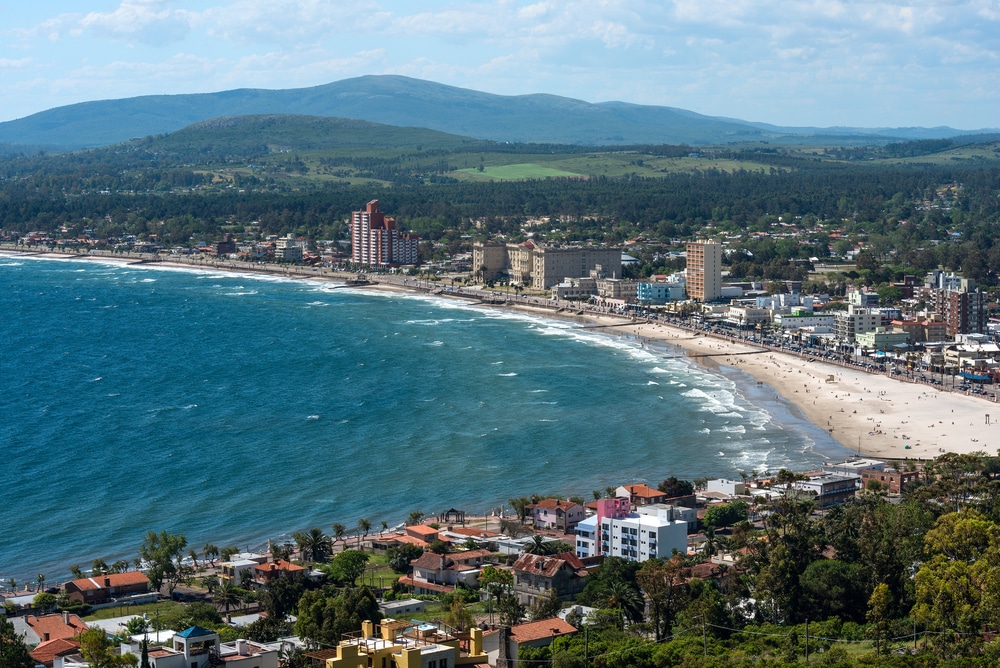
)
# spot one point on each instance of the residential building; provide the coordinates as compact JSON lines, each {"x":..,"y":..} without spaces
{"x":827,"y":489}
{"x":406,"y":606}
{"x":862,"y":298}
{"x":404,"y":644}
{"x":104,"y":588}
{"x":197,"y":647}
{"x":556,"y":514}
{"x":847,"y":325}
{"x":265,"y":573}
{"x":38,"y":629}
{"x":535,"y":575}
{"x":540,"y":633}
{"x":377,"y":243}
{"x":287,"y":249}
{"x":439,"y":573}
{"x":641,"y":494}
{"x":234,"y":570}
{"x":792,"y":321}
{"x":881,"y":338}
{"x":704,"y":270}
{"x":963,"y":310}
{"x":892,"y":481}
{"x":614,"y":531}
{"x":854,"y":466}
{"x":227,"y":246}
{"x":540,"y":266}
{"x":657,"y":293}
{"x":727,"y":487}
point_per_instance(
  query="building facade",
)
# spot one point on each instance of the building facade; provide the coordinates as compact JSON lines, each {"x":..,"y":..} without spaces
{"x":376,"y":243}
{"x":616,"y":532}
{"x":704,"y":270}
{"x":540,"y":266}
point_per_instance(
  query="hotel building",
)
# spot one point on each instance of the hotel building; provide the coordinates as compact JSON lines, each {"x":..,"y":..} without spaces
{"x":375,"y":241}
{"x":704,"y":270}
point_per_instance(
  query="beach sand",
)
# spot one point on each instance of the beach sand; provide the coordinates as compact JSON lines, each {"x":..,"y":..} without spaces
{"x":873,"y":414}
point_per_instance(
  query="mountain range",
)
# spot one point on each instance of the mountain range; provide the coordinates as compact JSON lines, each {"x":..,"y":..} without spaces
{"x":407,"y":102}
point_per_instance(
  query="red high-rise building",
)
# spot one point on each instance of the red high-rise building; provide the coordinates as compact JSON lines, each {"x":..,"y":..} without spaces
{"x":375,"y":241}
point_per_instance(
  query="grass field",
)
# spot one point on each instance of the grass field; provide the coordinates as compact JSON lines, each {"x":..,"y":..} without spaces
{"x":515,"y":172}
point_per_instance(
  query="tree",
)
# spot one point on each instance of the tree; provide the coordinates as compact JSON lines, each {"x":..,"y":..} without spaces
{"x":99,"y":651}
{"x":338,"y":532}
{"x":226,"y":594}
{"x":458,"y":616}
{"x":510,"y":610}
{"x":626,"y":599}
{"x":401,"y":556}
{"x":364,"y":526}
{"x":663,"y":582}
{"x":414,"y":518}
{"x":162,"y":552}
{"x":520,"y":505}
{"x":673,"y":487}
{"x":44,"y":601}
{"x":210,"y":552}
{"x":323,"y":618}
{"x":137,"y":626}
{"x":726,"y":514}
{"x":879,"y":609}
{"x":546,"y":606}
{"x":282,"y":596}
{"x":496,"y":583}
{"x":348,"y":566}
{"x":13,"y":652}
{"x":314,"y":542}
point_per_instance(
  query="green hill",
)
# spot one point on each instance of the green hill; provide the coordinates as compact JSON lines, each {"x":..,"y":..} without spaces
{"x":406,"y":102}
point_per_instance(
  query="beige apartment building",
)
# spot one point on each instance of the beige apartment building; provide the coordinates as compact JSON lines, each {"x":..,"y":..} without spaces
{"x":542,"y":267}
{"x":704,"y":270}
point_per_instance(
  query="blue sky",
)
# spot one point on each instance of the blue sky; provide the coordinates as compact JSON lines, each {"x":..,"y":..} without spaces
{"x":817,"y":62}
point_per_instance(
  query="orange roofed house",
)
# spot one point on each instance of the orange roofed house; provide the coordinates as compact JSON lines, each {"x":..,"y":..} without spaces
{"x":264,"y":573}
{"x":104,"y":588}
{"x":439,"y":573}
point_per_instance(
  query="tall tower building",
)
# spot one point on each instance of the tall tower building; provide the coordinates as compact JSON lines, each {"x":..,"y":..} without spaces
{"x":704,"y":270}
{"x":375,"y":241}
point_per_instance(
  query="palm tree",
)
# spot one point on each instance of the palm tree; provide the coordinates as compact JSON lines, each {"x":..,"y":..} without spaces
{"x":415,"y":517}
{"x":41,"y":581}
{"x":193,"y":553}
{"x":226,"y":595}
{"x":538,"y":545}
{"x":315,"y":542}
{"x":622,"y":596}
{"x":364,"y":526}
{"x":211,"y":552}
{"x":338,"y":532}
{"x":385,"y":527}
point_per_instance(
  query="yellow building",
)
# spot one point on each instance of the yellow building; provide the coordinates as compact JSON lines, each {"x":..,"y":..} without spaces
{"x":399,"y":644}
{"x":704,"y":270}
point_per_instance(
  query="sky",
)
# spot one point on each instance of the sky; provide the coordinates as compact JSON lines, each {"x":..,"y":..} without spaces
{"x":874,"y":63}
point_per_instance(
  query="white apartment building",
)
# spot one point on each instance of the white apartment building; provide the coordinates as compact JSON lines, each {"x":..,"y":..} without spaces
{"x":615,"y":532}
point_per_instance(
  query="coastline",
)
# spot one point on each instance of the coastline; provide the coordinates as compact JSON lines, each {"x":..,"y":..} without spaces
{"x":870,"y":414}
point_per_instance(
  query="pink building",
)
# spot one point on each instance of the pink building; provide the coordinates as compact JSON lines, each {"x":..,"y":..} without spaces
{"x":375,"y":241}
{"x":556,"y":514}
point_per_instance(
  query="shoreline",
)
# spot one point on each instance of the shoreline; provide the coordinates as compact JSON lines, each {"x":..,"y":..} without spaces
{"x":901,"y":419}
{"x":870,"y":403}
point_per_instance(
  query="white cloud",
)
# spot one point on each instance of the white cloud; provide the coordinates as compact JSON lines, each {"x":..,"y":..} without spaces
{"x":150,"y":22}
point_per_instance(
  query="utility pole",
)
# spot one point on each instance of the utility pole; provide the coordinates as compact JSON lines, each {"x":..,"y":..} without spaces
{"x":704,"y":635}
{"x":807,"y":642}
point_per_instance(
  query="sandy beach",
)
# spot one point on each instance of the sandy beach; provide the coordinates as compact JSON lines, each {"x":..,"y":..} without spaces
{"x":873,"y":414}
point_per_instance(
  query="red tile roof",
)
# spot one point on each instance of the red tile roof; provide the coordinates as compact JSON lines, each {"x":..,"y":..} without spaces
{"x":279,"y":565}
{"x":547,"y":565}
{"x":552,"y":504}
{"x":46,"y":652}
{"x":475,"y":533}
{"x":544,"y":628}
{"x":112,"y":580}
{"x":644,"y":491}
{"x":55,"y":627}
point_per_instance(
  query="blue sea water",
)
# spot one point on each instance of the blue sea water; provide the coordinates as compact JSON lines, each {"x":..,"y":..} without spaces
{"x":236,"y":408}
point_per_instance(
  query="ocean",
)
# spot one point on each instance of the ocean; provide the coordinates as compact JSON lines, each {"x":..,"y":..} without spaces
{"x":238,"y":408}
